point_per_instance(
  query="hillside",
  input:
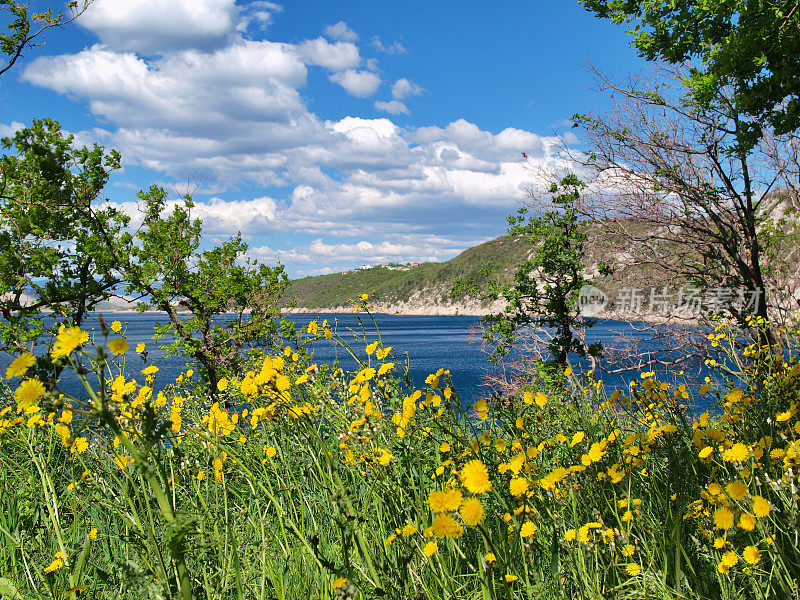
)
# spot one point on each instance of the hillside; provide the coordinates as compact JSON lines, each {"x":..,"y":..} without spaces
{"x":422,"y":288}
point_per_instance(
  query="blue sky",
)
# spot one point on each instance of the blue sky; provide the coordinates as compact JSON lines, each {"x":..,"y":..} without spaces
{"x":331,"y":134}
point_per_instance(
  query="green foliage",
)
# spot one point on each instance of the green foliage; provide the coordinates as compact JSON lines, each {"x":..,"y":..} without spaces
{"x":546,"y":286}
{"x":58,"y":241}
{"x":749,"y":45}
{"x":25,"y":29}
{"x":231,"y":302}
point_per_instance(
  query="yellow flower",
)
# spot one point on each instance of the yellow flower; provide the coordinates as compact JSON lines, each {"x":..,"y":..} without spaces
{"x":736,"y":490}
{"x":372,"y":347}
{"x":270,"y":451}
{"x":472,"y":511}
{"x":540,"y":399}
{"x":338,"y":582}
{"x":736,"y":453}
{"x":55,"y":565}
{"x":80,"y":446}
{"x":751,"y":555}
{"x":444,"y":447}
{"x":518,"y":486}
{"x":577,"y":439}
{"x":118,"y":346}
{"x":151,"y":370}
{"x":747,"y":522}
{"x":627,"y":550}
{"x":20,"y":365}
{"x":729,"y":559}
{"x":444,"y":525}
{"x":67,"y":340}
{"x":570,"y":535}
{"x":222,"y":384}
{"x":719,"y":543}
{"x":430,"y":548}
{"x":527,"y":529}
{"x":475,"y":477}
{"x":706,"y":452}
{"x":140,"y":347}
{"x":761,"y":507}
{"x":28,"y":392}
{"x":510,"y":578}
{"x":444,"y":500}
{"x":409,"y":529}
{"x":116,"y":326}
{"x":723,"y":518}
{"x":490,"y":558}
{"x":93,"y":534}
{"x":633,"y":569}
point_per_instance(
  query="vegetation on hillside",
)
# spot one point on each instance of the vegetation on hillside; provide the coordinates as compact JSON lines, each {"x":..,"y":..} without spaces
{"x":429,"y":282}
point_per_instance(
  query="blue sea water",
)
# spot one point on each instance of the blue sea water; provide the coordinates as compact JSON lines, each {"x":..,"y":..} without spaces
{"x":428,"y":343}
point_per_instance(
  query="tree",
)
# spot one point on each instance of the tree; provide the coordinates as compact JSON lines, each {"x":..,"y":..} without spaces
{"x":26,"y":30}
{"x":58,"y":239}
{"x":749,"y":46}
{"x":231,"y":304}
{"x":715,"y":209}
{"x":546,"y":286}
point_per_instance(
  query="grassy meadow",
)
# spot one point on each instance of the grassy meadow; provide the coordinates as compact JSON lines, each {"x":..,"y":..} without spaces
{"x":300,"y":480}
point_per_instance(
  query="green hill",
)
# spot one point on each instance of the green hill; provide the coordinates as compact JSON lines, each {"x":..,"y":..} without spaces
{"x":496,"y":259}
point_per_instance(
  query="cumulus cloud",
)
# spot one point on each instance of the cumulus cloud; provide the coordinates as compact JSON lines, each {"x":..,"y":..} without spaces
{"x":399,"y":249}
{"x":335,"y":57}
{"x":154,"y":26}
{"x":394,"y":48}
{"x":403,"y":88}
{"x":357,"y":83}
{"x":341,"y":31}
{"x":394,"y":107}
{"x":226,"y":112}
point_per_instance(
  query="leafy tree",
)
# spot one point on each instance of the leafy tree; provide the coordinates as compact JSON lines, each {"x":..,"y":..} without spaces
{"x":545,"y":290}
{"x":26,"y":30}
{"x":751,"y":46}
{"x":231,"y":304}
{"x":58,"y":240}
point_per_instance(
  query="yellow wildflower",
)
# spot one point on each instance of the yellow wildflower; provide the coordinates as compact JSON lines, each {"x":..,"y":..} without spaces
{"x":67,"y":340}
{"x":751,"y":555}
{"x":761,"y":507}
{"x":445,"y":526}
{"x":430,"y":548}
{"x":475,"y":477}
{"x":20,"y":365}
{"x":723,"y":518}
{"x":118,"y":346}
{"x":472,"y":511}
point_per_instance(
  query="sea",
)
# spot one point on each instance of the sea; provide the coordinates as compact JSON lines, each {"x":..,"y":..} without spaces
{"x":424,"y":343}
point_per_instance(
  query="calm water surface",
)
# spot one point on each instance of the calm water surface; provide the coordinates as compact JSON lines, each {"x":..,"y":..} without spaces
{"x":429,"y":342}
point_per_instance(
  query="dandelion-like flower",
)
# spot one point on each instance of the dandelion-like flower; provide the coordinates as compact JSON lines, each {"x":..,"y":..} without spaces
{"x":472,"y":511}
{"x":118,"y":346}
{"x":475,"y":477}
{"x":28,"y":392}
{"x":761,"y":507}
{"x":723,"y":518}
{"x":67,"y":341}
{"x":445,"y":526}
{"x":20,"y":365}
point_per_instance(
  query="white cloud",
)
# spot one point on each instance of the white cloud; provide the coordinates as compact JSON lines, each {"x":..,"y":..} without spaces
{"x":226,"y":116}
{"x":257,"y":12}
{"x":155,"y":26}
{"x":335,"y":57}
{"x":357,"y":83}
{"x":393,"y":48}
{"x":409,"y":248}
{"x":394,"y":107}
{"x":340,"y":31}
{"x":403,"y":88}
{"x":10,"y":129}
